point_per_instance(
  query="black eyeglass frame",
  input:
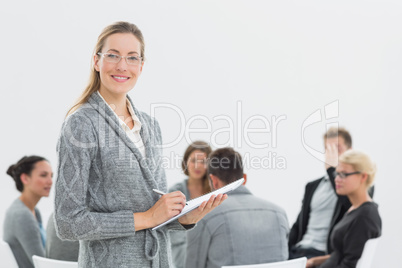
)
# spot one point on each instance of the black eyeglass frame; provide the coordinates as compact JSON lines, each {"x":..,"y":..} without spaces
{"x":344,"y":175}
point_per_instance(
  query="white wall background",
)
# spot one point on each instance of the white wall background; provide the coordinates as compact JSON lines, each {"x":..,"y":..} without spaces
{"x":272,"y":58}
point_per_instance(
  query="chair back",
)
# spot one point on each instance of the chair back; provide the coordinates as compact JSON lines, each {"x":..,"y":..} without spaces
{"x":366,"y":259}
{"x":6,"y":256}
{"x":295,"y":263}
{"x":41,"y":262}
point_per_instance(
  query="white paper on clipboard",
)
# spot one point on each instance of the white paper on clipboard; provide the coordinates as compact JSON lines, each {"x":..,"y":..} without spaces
{"x":196,"y":202}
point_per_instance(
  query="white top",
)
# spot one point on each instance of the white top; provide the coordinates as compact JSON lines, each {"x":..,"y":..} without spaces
{"x":322,"y":208}
{"x":133,"y":134}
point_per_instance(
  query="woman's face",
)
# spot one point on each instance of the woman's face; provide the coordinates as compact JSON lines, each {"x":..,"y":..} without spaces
{"x":197,"y":164}
{"x":39,"y":182}
{"x":350,"y":184}
{"x":118,"y":78}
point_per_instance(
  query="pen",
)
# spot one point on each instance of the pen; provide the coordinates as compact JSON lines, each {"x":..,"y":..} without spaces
{"x":160,"y":192}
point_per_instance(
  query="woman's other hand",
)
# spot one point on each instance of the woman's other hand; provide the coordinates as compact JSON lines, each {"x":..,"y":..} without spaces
{"x":206,"y":207}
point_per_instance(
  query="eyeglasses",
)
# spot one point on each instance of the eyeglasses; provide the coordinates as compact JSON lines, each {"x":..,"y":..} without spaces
{"x":343,"y":175}
{"x":114,"y":58}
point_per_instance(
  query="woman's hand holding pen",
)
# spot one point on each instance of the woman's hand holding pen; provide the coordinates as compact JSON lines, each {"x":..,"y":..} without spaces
{"x":168,"y":206}
{"x":206,"y":207}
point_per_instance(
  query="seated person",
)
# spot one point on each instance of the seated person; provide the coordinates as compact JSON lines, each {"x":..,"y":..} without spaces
{"x":242,"y":230}
{"x":194,"y":165}
{"x":354,"y":175}
{"x":321,"y":208}
{"x":23,"y":229}
{"x":58,"y":249}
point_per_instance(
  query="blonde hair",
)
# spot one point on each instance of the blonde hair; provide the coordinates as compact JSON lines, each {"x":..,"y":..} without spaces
{"x":360,"y":162}
{"x":94,"y":78}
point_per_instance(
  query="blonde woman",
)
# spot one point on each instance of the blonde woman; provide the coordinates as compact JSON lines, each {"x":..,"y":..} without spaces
{"x":110,"y":162}
{"x":354,"y":175}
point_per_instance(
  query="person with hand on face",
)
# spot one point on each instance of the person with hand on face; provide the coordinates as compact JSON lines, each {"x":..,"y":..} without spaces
{"x":321,"y":208}
{"x":194,"y":165}
{"x":109,"y":164}
{"x":23,"y":229}
{"x":354,"y":175}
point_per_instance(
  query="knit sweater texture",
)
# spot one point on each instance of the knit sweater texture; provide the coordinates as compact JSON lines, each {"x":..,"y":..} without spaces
{"x":102,"y":180}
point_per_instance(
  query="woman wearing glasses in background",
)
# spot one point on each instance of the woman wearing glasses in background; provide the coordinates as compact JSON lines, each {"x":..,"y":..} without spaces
{"x":109,"y":162}
{"x":354,"y":175}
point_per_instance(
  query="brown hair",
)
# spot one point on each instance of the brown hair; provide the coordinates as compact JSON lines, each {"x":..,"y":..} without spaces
{"x":203,"y":147}
{"x":94,"y":79}
{"x":334,"y":132}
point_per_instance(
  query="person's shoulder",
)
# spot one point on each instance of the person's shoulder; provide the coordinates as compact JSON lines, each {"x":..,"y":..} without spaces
{"x":145,"y":115}
{"x":18,"y":212}
{"x":367,"y":214}
{"x":216,"y":215}
{"x":151,"y":124}
{"x":368,"y":208}
{"x":314,"y":182}
{"x":243,"y":202}
{"x":84,"y":112}
{"x":16,"y":206}
{"x":233,"y":203}
{"x":82,"y":125}
{"x":148,"y":120}
{"x":180,"y":186}
{"x":268,"y":205}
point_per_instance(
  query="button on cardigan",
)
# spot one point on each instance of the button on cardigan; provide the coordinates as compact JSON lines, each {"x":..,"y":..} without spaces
{"x":102,"y":180}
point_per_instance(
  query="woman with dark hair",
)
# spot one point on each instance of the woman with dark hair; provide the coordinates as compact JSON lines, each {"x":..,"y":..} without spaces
{"x":23,"y":229}
{"x":194,"y":165}
{"x":109,"y":164}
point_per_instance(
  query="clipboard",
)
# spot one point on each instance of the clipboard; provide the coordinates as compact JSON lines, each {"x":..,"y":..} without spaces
{"x":196,"y":202}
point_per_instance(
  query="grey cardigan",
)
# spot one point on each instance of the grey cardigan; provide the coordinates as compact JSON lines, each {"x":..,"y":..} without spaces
{"x":21,"y":232}
{"x":102,"y":180}
{"x":58,"y":249}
